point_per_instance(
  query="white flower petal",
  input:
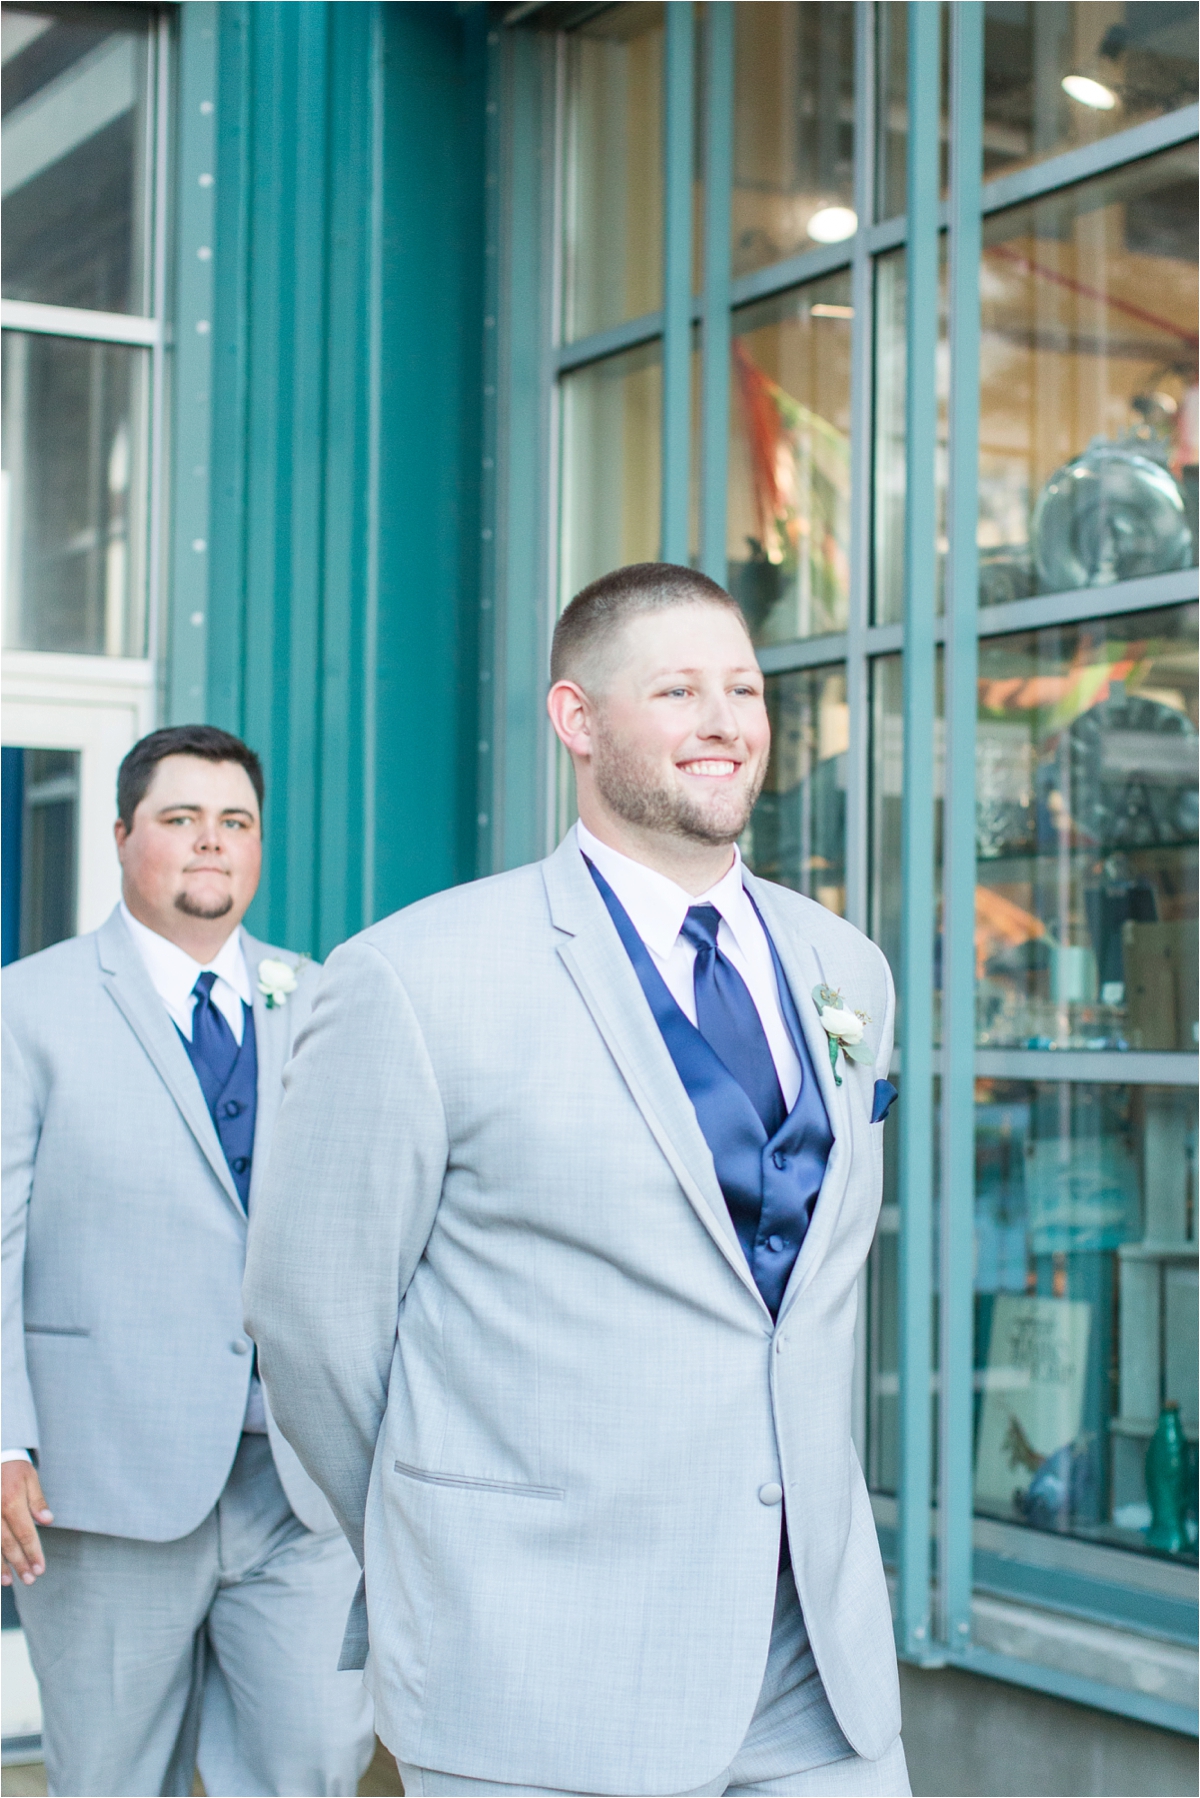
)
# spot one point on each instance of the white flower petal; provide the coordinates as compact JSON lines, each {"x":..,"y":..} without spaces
{"x":847,"y":1026}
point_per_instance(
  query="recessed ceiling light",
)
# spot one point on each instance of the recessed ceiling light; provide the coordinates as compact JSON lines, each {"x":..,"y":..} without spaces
{"x":824,"y":310}
{"x":1089,"y":93}
{"x":832,"y":224}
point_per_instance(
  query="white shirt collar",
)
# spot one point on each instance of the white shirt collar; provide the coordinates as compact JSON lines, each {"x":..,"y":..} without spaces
{"x":175,"y":973}
{"x":657,"y":907}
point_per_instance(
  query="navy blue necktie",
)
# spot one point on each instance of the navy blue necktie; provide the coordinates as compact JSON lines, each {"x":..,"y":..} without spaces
{"x":727,"y":1018}
{"x":213,"y":1047}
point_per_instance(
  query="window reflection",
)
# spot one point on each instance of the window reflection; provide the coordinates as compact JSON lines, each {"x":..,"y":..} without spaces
{"x":793,"y":129}
{"x":613,"y":215}
{"x":611,"y":474}
{"x":789,"y":475}
{"x":797,"y":835}
{"x":74,"y":461}
{"x":1088,"y":441}
{"x":75,"y":182}
{"x":1086,"y":823}
{"x":41,"y":831}
{"x":1085,"y":1243}
{"x":1060,"y":75}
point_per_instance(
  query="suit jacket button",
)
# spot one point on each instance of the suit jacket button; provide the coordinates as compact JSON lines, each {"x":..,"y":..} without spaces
{"x":242,"y":1347}
{"x":770,"y":1494}
{"x":779,"y":1158}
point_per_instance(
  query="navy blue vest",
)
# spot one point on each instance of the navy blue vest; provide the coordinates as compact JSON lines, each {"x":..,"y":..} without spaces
{"x":235,"y":1107}
{"x":770,"y":1186}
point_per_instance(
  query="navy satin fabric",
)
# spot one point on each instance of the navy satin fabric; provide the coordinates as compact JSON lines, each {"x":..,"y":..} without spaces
{"x":233,"y":1103}
{"x":771,"y":1184}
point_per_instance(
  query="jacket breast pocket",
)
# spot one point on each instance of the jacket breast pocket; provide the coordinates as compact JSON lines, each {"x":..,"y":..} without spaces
{"x":468,"y":1483}
{"x":55,"y":1330}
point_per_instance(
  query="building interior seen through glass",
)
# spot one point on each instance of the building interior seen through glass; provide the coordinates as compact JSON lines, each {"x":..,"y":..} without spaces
{"x":76,"y":183}
{"x":797,"y":835}
{"x":789,"y":462}
{"x":611,"y":436}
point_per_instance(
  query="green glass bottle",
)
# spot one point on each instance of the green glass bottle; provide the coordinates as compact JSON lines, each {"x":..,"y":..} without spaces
{"x":1166,"y":1462}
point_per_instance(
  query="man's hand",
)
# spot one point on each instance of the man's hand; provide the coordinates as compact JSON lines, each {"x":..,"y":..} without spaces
{"x":24,"y":1507}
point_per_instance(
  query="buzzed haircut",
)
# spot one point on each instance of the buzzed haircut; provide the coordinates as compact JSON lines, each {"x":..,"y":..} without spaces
{"x":595,"y":615}
{"x":204,"y":741}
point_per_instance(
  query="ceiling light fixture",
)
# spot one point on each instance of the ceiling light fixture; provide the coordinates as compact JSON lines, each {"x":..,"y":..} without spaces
{"x":1089,"y":93}
{"x":832,"y":224}
{"x":824,"y":310}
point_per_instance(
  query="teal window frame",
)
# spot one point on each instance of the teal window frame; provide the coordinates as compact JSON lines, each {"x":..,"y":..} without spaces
{"x":931,"y":1535}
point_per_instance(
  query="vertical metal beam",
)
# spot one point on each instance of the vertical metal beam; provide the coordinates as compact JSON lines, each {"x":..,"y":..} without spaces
{"x":916,"y":871}
{"x":958,"y":839}
{"x":718,"y":206}
{"x":187,"y":636}
{"x":677,"y":280}
{"x":861,"y":412}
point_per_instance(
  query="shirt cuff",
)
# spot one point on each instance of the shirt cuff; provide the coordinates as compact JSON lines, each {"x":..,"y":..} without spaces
{"x":16,"y":1454}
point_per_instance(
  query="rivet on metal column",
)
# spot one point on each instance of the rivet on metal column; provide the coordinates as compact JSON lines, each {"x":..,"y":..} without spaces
{"x":913,"y":1623}
{"x":718,"y":202}
{"x":677,"y":280}
{"x":957,"y":1184}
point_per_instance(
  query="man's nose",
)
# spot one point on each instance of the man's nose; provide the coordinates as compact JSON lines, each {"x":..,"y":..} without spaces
{"x":719,"y":720}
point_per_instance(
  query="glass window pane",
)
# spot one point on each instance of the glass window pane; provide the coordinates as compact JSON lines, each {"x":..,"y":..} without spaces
{"x":793,"y":129}
{"x":1088,"y":367}
{"x":76,"y":94}
{"x":611,"y":472}
{"x":74,"y":480}
{"x":1060,"y":75}
{"x":887,"y":791}
{"x":891,"y":63}
{"x":797,"y":835}
{"x":1085,"y":1311}
{"x":613,"y":216}
{"x":41,"y":827}
{"x":1086,"y":814}
{"x":789,"y":462}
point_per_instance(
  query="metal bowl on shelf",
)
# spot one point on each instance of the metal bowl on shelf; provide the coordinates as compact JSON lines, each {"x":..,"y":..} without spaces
{"x":1113,"y":514}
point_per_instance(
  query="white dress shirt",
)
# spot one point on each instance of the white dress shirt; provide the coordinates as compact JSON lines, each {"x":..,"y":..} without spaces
{"x":174,"y":974}
{"x":657,"y":909}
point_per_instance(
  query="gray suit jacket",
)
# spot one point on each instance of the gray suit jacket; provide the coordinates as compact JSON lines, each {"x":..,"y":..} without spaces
{"x":507,"y":1325}
{"x":125,"y":1362}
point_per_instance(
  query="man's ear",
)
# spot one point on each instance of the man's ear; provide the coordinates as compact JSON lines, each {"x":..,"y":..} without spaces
{"x":571,"y":715}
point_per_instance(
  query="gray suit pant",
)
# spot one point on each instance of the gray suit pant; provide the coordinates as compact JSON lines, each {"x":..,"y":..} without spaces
{"x":793,"y":1748}
{"x":218,"y":1650}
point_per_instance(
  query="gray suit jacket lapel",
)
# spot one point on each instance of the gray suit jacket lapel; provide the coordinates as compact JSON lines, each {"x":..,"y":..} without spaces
{"x":132,"y":990}
{"x":596,"y":961}
{"x":803,"y":968}
{"x":272,"y":1042}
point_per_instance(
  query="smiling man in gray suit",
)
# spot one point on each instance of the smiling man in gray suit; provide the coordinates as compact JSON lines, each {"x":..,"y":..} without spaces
{"x":554,"y":1272}
{"x":181,"y":1581}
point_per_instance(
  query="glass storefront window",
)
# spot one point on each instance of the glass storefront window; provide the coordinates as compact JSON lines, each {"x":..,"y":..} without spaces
{"x":76,"y":99}
{"x":1060,"y":75}
{"x":1086,"y":824}
{"x":789,"y":462}
{"x":41,"y":837}
{"x":1088,"y":438}
{"x":613,"y":212}
{"x":611,"y":466}
{"x":1085,"y":1308}
{"x":793,"y":129}
{"x":891,"y":77}
{"x":75,"y":429}
{"x":797,"y":835}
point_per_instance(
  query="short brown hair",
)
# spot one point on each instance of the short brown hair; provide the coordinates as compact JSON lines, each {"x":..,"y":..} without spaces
{"x":595,"y":615}
{"x":204,"y":741}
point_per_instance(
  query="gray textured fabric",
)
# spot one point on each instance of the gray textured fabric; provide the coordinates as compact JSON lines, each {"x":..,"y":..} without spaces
{"x":220,"y":1644}
{"x":125,"y":1361}
{"x":506,"y":1323}
{"x":852,"y":1777}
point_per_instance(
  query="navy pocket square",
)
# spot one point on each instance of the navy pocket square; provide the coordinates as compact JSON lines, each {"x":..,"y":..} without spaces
{"x":885,"y":1093}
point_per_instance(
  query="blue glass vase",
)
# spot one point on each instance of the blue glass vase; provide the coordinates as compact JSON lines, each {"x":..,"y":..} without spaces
{"x":1166,"y":1466}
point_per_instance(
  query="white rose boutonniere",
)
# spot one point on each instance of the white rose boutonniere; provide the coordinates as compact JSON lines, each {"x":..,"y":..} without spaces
{"x":276,"y":982}
{"x":843,"y":1027}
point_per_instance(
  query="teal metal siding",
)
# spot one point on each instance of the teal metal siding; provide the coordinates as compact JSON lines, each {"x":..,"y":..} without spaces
{"x":344,"y":514}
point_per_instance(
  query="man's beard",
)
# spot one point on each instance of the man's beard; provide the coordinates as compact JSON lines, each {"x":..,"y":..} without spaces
{"x":630,"y":787}
{"x":193,"y":908}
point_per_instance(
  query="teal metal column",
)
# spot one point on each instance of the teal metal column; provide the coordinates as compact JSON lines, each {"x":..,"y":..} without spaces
{"x":195,"y":165}
{"x":913,"y":1623}
{"x":718,"y":205}
{"x":957,"y":1187}
{"x":677,"y":280}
